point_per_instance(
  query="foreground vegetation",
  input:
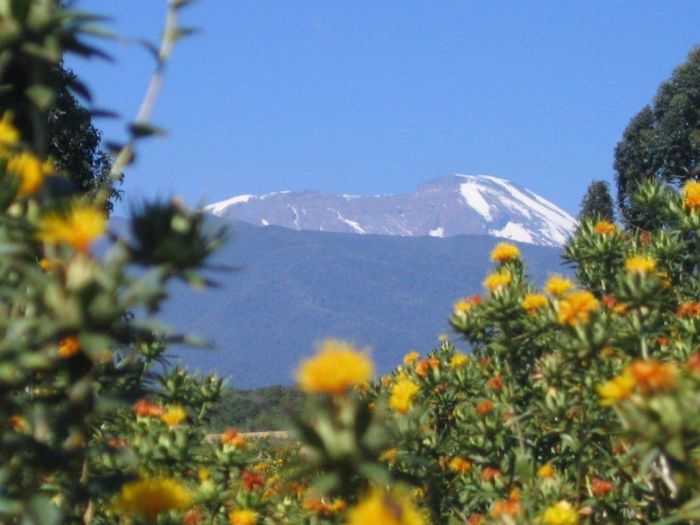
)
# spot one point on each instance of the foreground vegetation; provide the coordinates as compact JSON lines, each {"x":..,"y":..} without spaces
{"x":579,"y":404}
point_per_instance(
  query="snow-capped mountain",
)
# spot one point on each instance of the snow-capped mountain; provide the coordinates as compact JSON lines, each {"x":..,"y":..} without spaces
{"x":442,"y":207}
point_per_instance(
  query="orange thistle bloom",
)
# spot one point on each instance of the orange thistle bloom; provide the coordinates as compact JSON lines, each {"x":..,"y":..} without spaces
{"x":510,"y":507}
{"x":321,"y":506}
{"x":490,"y":473}
{"x":146,"y":408}
{"x":484,"y":407}
{"x":460,"y":465}
{"x":505,"y":252}
{"x":534,"y":302}
{"x":252,"y":481}
{"x":605,"y":228}
{"x":17,"y":422}
{"x":600,"y":487}
{"x":688,"y":309}
{"x":426,"y":365}
{"x":691,"y":195}
{"x":484,"y":361}
{"x":232,"y":438}
{"x":576,"y":308}
{"x":475,"y":519}
{"x":193,"y":517}
{"x":546,"y":471}
{"x":693,"y":363}
{"x":68,"y":347}
{"x":653,"y":375}
{"x":495,"y":383}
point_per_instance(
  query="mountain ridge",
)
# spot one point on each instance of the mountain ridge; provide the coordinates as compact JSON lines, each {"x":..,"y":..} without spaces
{"x":443,"y":207}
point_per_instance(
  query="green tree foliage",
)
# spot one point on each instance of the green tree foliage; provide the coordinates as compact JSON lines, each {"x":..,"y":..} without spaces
{"x":597,"y":203}
{"x":261,"y":409}
{"x":663,"y":140}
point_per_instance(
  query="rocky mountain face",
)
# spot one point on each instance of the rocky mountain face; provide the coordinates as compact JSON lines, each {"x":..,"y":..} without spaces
{"x":443,"y":207}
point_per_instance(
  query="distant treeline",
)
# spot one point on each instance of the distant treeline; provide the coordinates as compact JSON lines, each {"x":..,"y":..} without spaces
{"x":256,"y":410}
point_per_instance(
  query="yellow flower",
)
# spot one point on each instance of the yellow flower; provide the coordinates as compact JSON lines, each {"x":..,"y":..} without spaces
{"x":410,"y":358}
{"x":575,"y":308}
{"x":504,"y":252}
{"x":604,"y":228}
{"x":30,"y":171}
{"x":460,"y":465}
{"x":384,"y":508}
{"x":617,"y":389}
{"x":534,"y":302}
{"x":462,"y":307}
{"x":458,"y":360}
{"x":389,"y":456}
{"x":68,"y":347}
{"x":561,"y":513}
{"x":497,"y":280}
{"x":150,"y":496}
{"x":691,"y":194}
{"x":9,"y":136}
{"x":173,"y":416}
{"x":79,"y":227}
{"x":546,"y":471}
{"x":640,"y":264}
{"x":336,"y":368}
{"x":557,"y":285}
{"x":243,"y":517}
{"x":402,"y":394}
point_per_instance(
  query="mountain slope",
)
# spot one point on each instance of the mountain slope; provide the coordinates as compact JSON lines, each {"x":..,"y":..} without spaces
{"x":390,"y":293}
{"x":444,"y":207}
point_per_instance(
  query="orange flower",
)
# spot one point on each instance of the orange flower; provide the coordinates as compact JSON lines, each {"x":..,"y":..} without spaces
{"x":605,"y":228}
{"x":321,"y":506}
{"x":546,"y":471}
{"x":17,"y":422}
{"x":688,"y":309}
{"x":505,"y":252}
{"x":484,"y":361}
{"x":68,"y":347}
{"x":475,"y":519}
{"x":232,"y":438}
{"x":193,"y":517}
{"x":600,"y":487}
{"x":460,"y":465}
{"x":252,"y":481}
{"x":653,"y":375}
{"x":575,"y":309}
{"x":146,"y":408}
{"x":411,"y":358}
{"x":490,"y":473}
{"x":425,"y":365}
{"x":693,"y":363}
{"x":510,"y":507}
{"x":484,"y":407}
{"x":495,"y":383}
{"x":691,"y":195}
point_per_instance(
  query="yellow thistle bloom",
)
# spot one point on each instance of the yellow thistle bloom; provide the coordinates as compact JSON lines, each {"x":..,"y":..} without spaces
{"x":640,"y":264}
{"x":173,"y":416}
{"x":402,"y":395}
{"x":30,"y":170}
{"x":151,"y":496}
{"x":389,"y":456}
{"x":617,"y":389}
{"x":604,"y":228}
{"x":384,"y":508}
{"x":562,"y":513}
{"x":79,"y":227}
{"x":691,"y":194}
{"x":458,"y":360}
{"x":546,"y":471}
{"x":410,"y":358}
{"x":460,"y":465}
{"x":576,"y":308}
{"x":557,"y":285}
{"x":534,"y":302}
{"x":462,"y":307}
{"x":337,"y":367}
{"x":68,"y":347}
{"x":243,"y":517}
{"x":9,"y":135}
{"x":504,"y":252}
{"x":497,"y":280}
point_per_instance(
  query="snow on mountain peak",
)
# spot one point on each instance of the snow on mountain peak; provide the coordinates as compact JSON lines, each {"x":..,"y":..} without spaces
{"x":442,"y":207}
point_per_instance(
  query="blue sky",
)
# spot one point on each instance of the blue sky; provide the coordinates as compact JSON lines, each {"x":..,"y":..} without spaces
{"x":377,"y":97}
